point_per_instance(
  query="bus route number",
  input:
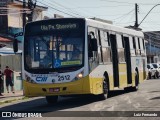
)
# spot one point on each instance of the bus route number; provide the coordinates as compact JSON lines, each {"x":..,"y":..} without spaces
{"x":62,"y":78}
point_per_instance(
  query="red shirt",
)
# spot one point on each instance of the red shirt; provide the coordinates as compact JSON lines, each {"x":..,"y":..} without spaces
{"x":8,"y":73}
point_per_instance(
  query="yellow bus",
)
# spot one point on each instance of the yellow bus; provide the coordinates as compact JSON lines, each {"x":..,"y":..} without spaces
{"x":75,"y":56}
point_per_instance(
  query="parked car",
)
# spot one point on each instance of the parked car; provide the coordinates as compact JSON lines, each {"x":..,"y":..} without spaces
{"x":157,"y":66}
{"x":152,"y":71}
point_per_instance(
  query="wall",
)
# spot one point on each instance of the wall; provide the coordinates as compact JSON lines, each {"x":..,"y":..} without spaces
{"x":14,"y":20}
{"x":14,"y":62}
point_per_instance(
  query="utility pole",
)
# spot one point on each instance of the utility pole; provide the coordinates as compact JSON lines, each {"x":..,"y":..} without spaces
{"x":136,"y":16}
{"x":24,"y":13}
{"x":31,"y":6}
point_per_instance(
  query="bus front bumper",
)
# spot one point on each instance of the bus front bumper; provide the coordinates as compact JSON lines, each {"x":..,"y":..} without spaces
{"x":81,"y":86}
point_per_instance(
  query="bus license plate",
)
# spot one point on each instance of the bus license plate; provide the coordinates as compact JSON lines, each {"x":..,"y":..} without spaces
{"x":54,"y":89}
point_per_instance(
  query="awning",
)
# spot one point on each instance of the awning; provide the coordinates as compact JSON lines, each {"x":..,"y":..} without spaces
{"x":8,"y":51}
{"x":2,"y":39}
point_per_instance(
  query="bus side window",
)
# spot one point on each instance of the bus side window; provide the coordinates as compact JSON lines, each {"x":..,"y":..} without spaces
{"x":100,"y":55}
{"x":143,"y":44}
{"x":134,"y":45}
{"x":105,"y":47}
{"x":92,"y":55}
{"x":91,"y":35}
{"x":139,"y":47}
{"x":109,"y":44}
{"x":131,"y":46}
{"x":120,"y":48}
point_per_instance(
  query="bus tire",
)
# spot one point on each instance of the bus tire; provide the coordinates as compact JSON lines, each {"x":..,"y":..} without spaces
{"x":135,"y":88}
{"x":104,"y":95}
{"x":51,"y":99}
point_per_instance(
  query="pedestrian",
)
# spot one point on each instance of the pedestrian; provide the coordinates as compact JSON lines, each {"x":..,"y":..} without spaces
{"x":8,"y":73}
{"x":1,"y":83}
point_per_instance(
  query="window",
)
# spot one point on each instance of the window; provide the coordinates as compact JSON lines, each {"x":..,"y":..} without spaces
{"x":105,"y":49}
{"x":119,"y":41}
{"x":104,"y":38}
{"x":122,"y":41}
{"x":134,"y":43}
{"x":106,"y":54}
{"x":120,"y":47}
{"x":131,"y":42}
{"x":139,"y":46}
{"x":49,"y":50}
{"x":96,"y":55}
{"x":109,"y":44}
{"x":100,"y":46}
{"x":136,"y":40}
{"x":141,"y":43}
{"x":142,"y":46}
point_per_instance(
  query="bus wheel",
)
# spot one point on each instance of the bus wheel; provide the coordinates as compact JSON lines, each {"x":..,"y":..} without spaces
{"x":104,"y":95}
{"x":51,"y":99}
{"x":135,"y":88}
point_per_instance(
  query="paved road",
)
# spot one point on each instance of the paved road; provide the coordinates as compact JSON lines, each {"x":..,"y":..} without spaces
{"x":147,"y":98}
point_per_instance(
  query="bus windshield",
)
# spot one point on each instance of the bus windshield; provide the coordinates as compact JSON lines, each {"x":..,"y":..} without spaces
{"x":54,"y":46}
{"x":54,"y":51}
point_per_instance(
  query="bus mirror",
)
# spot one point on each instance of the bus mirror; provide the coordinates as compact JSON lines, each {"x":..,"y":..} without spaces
{"x":94,"y":44}
{"x":15,"y":45}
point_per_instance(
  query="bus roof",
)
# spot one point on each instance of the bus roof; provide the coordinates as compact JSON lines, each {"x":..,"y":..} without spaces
{"x":113,"y":28}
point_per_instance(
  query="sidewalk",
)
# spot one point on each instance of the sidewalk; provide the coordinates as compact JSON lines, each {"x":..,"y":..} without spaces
{"x":11,"y":96}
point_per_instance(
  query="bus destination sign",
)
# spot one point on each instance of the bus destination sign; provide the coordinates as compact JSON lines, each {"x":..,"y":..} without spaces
{"x":59,"y":26}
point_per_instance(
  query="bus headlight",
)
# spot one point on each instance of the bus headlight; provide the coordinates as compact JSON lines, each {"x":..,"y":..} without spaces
{"x":79,"y":76}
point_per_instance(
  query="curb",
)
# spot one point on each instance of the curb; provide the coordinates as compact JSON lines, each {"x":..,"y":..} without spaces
{"x":10,"y":100}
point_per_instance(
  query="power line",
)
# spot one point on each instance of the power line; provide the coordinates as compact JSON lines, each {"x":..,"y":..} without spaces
{"x":114,"y":1}
{"x":124,"y":15}
{"x":65,"y":8}
{"x":56,"y":9}
{"x":74,"y":12}
{"x":99,"y":7}
{"x":126,"y":22}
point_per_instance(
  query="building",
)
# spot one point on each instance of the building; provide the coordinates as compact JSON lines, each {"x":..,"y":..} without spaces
{"x":11,"y":18}
{"x":11,"y":22}
{"x":153,"y":46}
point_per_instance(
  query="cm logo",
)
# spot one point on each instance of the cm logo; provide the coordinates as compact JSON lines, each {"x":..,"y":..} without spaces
{"x":41,"y":79}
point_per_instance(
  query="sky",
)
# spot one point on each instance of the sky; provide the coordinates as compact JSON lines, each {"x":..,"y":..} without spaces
{"x":120,"y":12}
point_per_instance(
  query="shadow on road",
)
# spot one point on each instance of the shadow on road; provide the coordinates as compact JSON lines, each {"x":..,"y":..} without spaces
{"x":40,"y":104}
{"x":154,"y":79}
{"x":154,"y":98}
{"x":64,"y":103}
{"x":153,"y":91}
